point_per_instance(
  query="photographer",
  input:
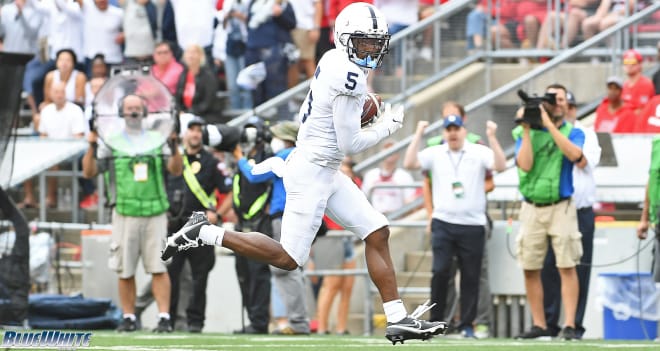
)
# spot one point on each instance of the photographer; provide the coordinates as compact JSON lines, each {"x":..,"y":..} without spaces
{"x":651,"y":211}
{"x":547,"y":148}
{"x":137,"y":194}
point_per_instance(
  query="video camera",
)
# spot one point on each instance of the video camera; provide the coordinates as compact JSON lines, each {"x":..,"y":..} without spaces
{"x":532,"y":113}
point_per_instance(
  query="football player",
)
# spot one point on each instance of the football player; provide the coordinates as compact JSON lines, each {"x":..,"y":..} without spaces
{"x":330,"y":129}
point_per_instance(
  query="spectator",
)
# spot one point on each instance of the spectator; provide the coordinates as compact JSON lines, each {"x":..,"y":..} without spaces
{"x":484,"y":311}
{"x":201,"y":178}
{"x":91,"y":89}
{"x":103,"y":32}
{"x":165,"y":67}
{"x":651,"y":210}
{"x":399,"y":15}
{"x":325,"y":41}
{"x":459,"y":220}
{"x":584,"y":197}
{"x":66,"y":28}
{"x":343,"y":285}
{"x":308,"y":15}
{"x":229,"y":50}
{"x":168,"y":27}
{"x":569,"y":22}
{"x":194,"y":24}
{"x":613,"y":115}
{"x":289,"y":284}
{"x":250,"y":206}
{"x":65,"y":72}
{"x":20,"y":22}
{"x":100,"y":68}
{"x":546,"y":183}
{"x":139,"y":204}
{"x":609,"y":12}
{"x":140,"y":26}
{"x":60,"y":119}
{"x":504,"y":33}
{"x":649,"y":119}
{"x":268,"y":31}
{"x":530,"y":16}
{"x":387,"y":200}
{"x":637,"y":89}
{"x":195,"y":92}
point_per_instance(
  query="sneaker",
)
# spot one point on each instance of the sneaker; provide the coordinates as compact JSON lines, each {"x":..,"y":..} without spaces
{"x":164,"y":326}
{"x":90,"y":202}
{"x":127,"y":325}
{"x":481,"y":331}
{"x":288,"y":330}
{"x":537,"y":333}
{"x":413,"y":328}
{"x":251,"y":330}
{"x":186,"y":237}
{"x":568,"y":334}
{"x":426,"y":54}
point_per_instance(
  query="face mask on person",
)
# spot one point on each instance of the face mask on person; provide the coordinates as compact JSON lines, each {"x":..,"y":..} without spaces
{"x":277,"y":145}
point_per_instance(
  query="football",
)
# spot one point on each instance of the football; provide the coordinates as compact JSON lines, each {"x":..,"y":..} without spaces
{"x":370,"y":109}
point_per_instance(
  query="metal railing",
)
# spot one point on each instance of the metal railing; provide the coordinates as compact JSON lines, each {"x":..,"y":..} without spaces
{"x":518,"y":82}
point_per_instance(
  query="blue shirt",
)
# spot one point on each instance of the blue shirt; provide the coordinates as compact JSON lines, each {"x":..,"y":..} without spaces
{"x":576,"y":136}
{"x":274,"y":30}
{"x":278,"y":198}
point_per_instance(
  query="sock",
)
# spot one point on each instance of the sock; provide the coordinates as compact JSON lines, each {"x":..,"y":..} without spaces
{"x":130,"y":316}
{"x":395,"y":311}
{"x":212,"y":235}
{"x":163,"y":315}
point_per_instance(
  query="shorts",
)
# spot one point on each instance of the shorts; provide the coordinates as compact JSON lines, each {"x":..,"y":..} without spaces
{"x":135,"y":237}
{"x":307,"y":47}
{"x":559,"y":222}
{"x":311,"y":190}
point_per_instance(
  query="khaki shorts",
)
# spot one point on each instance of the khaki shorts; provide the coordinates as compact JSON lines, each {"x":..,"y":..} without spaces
{"x":135,"y":237}
{"x":307,"y":47}
{"x":559,"y":222}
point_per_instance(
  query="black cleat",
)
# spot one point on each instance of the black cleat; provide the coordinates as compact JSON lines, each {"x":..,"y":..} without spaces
{"x":127,"y":325}
{"x":187,"y":237}
{"x":164,"y":326}
{"x":413,"y":328}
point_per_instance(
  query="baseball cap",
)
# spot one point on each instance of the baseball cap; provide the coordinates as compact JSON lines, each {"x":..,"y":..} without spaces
{"x":632,"y":57}
{"x":615,"y":80}
{"x":287,"y":130}
{"x":570,"y":98}
{"x":452,"y":120}
{"x":196,"y":121}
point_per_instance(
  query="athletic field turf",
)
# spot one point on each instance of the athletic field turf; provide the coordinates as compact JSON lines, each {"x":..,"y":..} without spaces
{"x":143,"y":341}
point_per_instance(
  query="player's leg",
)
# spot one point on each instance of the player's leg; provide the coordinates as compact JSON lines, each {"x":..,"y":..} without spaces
{"x":371,"y":226}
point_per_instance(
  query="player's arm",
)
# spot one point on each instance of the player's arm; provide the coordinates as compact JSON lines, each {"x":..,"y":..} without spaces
{"x":351,"y":139}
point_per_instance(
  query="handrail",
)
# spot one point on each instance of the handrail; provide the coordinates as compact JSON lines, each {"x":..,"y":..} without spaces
{"x":444,"y":11}
{"x":565,"y":55}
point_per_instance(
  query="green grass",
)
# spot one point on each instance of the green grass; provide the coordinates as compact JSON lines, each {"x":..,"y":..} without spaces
{"x":143,"y":341}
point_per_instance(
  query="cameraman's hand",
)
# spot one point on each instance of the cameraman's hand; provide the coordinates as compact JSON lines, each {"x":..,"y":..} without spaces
{"x":212,"y":216}
{"x":92,"y":137}
{"x":545,"y":118}
{"x":519,"y":118}
{"x":238,"y":153}
{"x":642,"y":228}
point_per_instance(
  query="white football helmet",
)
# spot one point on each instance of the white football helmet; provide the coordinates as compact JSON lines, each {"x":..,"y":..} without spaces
{"x":361,"y":31}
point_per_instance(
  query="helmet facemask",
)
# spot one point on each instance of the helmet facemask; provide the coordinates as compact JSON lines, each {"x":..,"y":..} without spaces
{"x":367,"y":50}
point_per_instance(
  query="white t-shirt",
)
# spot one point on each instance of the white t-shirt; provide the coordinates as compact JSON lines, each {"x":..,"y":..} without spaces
{"x":101,"y":29}
{"x":399,"y":11}
{"x":66,"y":28}
{"x":62,"y":124}
{"x":304,"y":11}
{"x":194,"y":22}
{"x":139,"y":38}
{"x":584,"y":184}
{"x":457,"y":180}
{"x":386,"y":200}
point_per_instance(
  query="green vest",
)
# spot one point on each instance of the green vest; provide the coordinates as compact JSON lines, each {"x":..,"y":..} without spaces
{"x":137,"y":198}
{"x":654,"y":181}
{"x":541,"y":183}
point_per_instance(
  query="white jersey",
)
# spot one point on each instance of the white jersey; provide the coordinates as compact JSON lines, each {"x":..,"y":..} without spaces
{"x":335,"y":76}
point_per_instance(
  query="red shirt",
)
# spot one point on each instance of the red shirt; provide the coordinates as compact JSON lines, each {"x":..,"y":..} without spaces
{"x":335,"y":7}
{"x":619,"y":121}
{"x":169,"y":76}
{"x":189,"y":90}
{"x":649,"y":120}
{"x":638,"y":94}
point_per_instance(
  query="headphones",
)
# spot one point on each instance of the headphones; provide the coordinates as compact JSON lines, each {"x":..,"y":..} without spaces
{"x":120,"y":107}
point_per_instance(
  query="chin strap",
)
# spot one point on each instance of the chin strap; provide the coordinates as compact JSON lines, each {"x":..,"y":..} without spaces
{"x":421,"y":309}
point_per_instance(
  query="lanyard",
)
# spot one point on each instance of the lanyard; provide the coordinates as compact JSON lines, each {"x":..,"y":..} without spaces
{"x":457,"y":164}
